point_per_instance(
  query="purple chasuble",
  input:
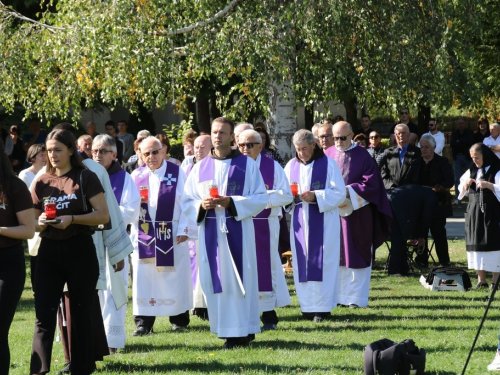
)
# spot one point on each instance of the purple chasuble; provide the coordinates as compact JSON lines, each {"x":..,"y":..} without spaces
{"x":235,"y":184}
{"x":117,"y":181}
{"x":262,"y":231}
{"x":156,"y":241}
{"x":310,"y":266}
{"x":369,"y":225}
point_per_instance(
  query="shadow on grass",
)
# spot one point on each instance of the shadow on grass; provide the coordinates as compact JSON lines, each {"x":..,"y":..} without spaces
{"x":215,"y":366}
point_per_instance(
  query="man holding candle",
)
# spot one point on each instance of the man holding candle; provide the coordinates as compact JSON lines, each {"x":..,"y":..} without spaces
{"x":161,"y":265}
{"x":367,"y":225}
{"x":228,"y":262}
{"x":273,"y":291}
{"x":315,"y":228}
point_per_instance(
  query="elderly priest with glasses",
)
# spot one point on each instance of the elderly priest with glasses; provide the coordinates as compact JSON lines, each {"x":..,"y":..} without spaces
{"x":161,"y":262}
{"x":319,"y":188}
{"x":366,"y":219}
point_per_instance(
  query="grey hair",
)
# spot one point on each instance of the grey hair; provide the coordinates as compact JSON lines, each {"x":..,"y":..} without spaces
{"x":315,"y":127}
{"x":325,"y":125}
{"x":429,"y":138}
{"x":303,"y":135}
{"x":403,"y":125}
{"x":495,"y":125}
{"x":143,"y":133}
{"x":251,"y":133}
{"x":105,"y":140}
{"x":156,"y":141}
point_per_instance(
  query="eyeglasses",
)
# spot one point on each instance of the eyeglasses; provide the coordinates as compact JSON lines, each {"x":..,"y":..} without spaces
{"x":343,"y":138}
{"x":375,"y":137}
{"x":247,"y":145}
{"x":101,"y":152}
{"x":146,"y":154}
{"x":326,"y":136}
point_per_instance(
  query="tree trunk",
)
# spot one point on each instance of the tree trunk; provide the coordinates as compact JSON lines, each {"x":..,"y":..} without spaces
{"x":203,"y":113}
{"x":351,"y":111}
{"x":281,"y":121}
{"x":424,"y":114}
{"x":309,"y":117}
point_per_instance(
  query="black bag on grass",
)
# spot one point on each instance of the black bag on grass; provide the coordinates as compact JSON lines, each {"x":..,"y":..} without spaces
{"x":385,"y":357}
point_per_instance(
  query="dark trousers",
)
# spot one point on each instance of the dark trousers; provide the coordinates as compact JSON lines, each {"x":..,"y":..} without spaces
{"x":269,"y":317}
{"x":33,"y":260}
{"x":398,"y":261}
{"x":438,"y":232}
{"x":284,"y":239}
{"x":12,"y":277}
{"x":72,"y":261}
{"x":100,"y":341}
{"x":148,"y":321}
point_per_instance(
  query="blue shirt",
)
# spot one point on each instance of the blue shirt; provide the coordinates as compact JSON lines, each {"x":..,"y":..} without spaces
{"x":402,"y":153}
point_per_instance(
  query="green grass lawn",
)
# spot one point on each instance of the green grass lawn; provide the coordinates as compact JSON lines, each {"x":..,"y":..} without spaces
{"x":443,"y":323}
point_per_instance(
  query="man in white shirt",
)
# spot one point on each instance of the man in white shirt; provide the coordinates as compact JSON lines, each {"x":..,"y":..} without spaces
{"x":437,"y":135}
{"x":493,"y":141}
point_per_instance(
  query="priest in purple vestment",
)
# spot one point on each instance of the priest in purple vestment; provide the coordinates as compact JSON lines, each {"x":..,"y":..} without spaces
{"x":365,"y":220}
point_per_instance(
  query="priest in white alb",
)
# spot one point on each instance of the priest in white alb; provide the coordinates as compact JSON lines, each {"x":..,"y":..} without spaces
{"x":273,"y":290}
{"x":222,"y":194}
{"x":315,"y":226}
{"x":161,"y":262}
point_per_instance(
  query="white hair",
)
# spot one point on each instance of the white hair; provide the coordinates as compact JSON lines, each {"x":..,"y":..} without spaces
{"x":303,"y":135}
{"x":250,"y":133}
{"x":143,"y":133}
{"x":105,"y":140}
{"x":147,"y":139}
{"x":429,"y":138}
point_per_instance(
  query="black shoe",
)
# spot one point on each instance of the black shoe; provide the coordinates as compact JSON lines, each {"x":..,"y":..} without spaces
{"x":201,"y":313}
{"x":142,"y":331}
{"x":237,"y":342}
{"x":353,"y":306}
{"x":66,"y":369}
{"x":318,"y":318}
{"x":446,"y":264}
{"x":269,"y":327}
{"x":491,"y":287}
{"x":481,"y":285}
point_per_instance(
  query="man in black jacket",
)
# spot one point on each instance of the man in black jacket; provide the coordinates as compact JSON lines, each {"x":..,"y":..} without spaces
{"x":396,"y":161}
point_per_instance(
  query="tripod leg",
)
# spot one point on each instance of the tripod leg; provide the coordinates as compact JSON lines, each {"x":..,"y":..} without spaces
{"x":481,"y":324}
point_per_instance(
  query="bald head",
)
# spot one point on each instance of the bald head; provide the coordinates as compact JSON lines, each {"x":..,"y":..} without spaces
{"x":342,"y":134}
{"x":202,"y":146}
{"x":240,"y":128}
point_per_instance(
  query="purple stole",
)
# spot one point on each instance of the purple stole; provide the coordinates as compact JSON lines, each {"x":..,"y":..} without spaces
{"x":158,"y":242}
{"x":117,"y":182}
{"x":192,"y":245}
{"x":235,"y":184}
{"x":262,"y":232}
{"x":310,"y":269}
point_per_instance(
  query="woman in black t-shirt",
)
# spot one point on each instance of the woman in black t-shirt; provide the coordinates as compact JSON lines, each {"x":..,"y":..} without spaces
{"x":66,"y":253}
{"x":16,"y":224}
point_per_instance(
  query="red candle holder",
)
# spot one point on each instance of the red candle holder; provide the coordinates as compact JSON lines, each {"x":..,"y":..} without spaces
{"x":294,"y":186}
{"x":213,"y":191}
{"x":50,"y":209}
{"x":144,"y":191}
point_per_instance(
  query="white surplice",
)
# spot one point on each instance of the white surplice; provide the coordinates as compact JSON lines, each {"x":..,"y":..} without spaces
{"x":279,"y":196}
{"x":163,"y":293}
{"x":113,"y":316}
{"x":320,"y":296}
{"x":230,"y":313}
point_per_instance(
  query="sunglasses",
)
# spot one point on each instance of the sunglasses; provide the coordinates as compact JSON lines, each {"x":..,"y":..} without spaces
{"x":100,"y":152}
{"x":247,"y":145}
{"x":146,"y":154}
{"x":375,"y":137}
{"x":343,"y":138}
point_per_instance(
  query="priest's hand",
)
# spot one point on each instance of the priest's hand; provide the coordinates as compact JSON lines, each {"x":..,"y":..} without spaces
{"x":181,"y":239}
{"x":223,"y":201}
{"x":208,"y":203}
{"x":119,"y":266}
{"x":308,"y":196}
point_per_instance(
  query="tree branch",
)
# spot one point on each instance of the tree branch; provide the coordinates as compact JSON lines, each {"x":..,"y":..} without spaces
{"x":13,"y":13}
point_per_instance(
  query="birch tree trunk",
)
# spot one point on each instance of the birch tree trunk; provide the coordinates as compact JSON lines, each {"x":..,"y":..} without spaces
{"x":282,"y":122}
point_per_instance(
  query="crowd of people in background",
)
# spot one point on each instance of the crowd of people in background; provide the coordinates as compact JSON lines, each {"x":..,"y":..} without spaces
{"x":205,"y":233}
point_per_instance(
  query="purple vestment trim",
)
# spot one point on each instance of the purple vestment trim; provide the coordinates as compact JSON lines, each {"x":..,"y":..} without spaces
{"x":117,"y":182}
{"x":157,"y":240}
{"x":235,"y":184}
{"x":262,"y":231}
{"x":310,"y":266}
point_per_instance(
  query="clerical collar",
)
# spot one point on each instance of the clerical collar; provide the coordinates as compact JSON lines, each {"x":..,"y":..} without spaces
{"x":231,"y":155}
{"x":161,"y":171}
{"x":113,"y":168}
{"x":318,"y":153}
